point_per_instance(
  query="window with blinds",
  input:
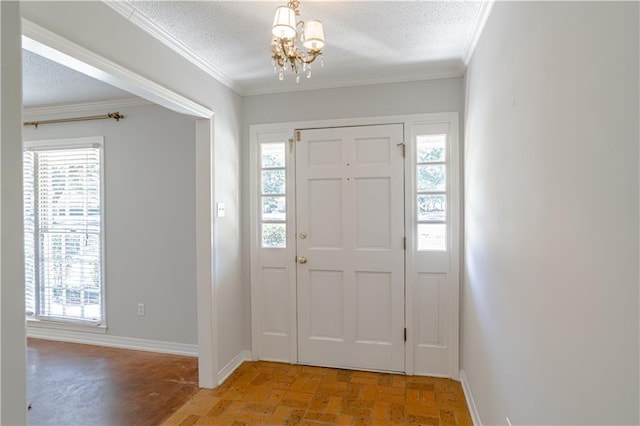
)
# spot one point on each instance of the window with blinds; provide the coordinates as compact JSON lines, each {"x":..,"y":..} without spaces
{"x":63,"y":201}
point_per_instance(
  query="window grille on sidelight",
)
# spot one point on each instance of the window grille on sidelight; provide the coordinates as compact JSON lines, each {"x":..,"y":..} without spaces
{"x":431,"y":195}
{"x":273,"y":195}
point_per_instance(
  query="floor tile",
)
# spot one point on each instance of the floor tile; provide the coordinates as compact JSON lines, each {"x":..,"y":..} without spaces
{"x":268,"y":393}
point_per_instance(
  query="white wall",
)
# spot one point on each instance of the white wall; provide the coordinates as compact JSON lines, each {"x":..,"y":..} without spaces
{"x":12,"y":331}
{"x":550,"y":307}
{"x":443,"y":95}
{"x":150,"y":218}
{"x":102,"y":30}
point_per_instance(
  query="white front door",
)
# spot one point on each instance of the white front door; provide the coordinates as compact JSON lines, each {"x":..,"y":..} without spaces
{"x":350,"y":247}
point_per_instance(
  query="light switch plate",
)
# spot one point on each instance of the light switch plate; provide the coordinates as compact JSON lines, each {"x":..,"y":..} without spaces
{"x":220,"y":209}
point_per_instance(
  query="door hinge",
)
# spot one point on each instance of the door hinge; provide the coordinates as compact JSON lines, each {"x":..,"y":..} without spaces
{"x":404,"y":243}
{"x":405,"y":334}
{"x":404,"y":148}
{"x":297,"y":135}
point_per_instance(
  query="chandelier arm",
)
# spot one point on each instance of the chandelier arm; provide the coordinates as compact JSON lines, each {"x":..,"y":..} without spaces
{"x":279,"y":60}
{"x":310,"y":56}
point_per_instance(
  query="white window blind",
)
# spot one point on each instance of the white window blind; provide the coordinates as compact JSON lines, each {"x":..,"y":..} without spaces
{"x":63,"y":230}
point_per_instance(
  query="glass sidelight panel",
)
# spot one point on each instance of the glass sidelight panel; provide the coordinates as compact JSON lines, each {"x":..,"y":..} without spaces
{"x":432,"y":177}
{"x":431,"y":192}
{"x":274,"y":208}
{"x":431,"y":148}
{"x":432,"y":236}
{"x":273,"y":198}
{"x":274,"y":235}
{"x":432,"y":207}
{"x":273,"y":182}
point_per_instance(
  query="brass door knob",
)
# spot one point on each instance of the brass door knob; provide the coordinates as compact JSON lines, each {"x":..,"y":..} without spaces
{"x":302,"y":260}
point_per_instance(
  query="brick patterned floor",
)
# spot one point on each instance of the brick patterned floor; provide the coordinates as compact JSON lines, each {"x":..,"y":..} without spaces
{"x":268,"y":393}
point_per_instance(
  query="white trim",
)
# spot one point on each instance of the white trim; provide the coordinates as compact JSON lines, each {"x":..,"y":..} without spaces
{"x":409,"y":121}
{"x":265,"y":347}
{"x":475,"y":417}
{"x":454,"y":71}
{"x":205,"y":260}
{"x":112,"y":341}
{"x":207,"y":321}
{"x":478,"y":26}
{"x":83,"y":107}
{"x":47,"y":44}
{"x":35,"y":323}
{"x":87,"y":142}
{"x":140,"y":20}
{"x":236,"y":362}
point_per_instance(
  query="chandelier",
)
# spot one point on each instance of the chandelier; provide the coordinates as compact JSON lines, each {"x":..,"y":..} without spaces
{"x":284,"y":49}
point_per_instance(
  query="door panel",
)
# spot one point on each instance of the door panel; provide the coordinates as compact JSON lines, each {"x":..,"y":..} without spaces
{"x":350,"y":236}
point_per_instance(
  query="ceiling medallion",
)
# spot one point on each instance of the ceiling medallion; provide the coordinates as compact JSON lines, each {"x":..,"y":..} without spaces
{"x":284,"y":49}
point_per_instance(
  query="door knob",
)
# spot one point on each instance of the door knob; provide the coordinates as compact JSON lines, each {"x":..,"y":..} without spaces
{"x":302,"y":260}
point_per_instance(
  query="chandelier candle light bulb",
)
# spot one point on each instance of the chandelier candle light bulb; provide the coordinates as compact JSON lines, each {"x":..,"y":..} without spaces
{"x":284,"y":49}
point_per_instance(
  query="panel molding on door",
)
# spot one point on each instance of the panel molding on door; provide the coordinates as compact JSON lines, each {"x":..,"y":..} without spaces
{"x":433,"y":247}
{"x":431,"y":275}
{"x":350,"y":228}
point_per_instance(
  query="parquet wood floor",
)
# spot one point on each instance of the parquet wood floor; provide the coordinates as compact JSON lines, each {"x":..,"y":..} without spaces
{"x":84,"y":385}
{"x":267,"y":393}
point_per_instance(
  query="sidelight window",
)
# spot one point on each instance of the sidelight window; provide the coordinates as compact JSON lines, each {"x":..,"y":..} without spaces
{"x":431,"y":194}
{"x":273,"y":195}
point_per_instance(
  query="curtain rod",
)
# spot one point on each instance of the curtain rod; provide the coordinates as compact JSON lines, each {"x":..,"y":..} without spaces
{"x":115,"y":115}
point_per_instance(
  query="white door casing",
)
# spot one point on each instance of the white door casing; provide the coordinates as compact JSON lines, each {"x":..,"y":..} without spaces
{"x":431,"y":277}
{"x":350,"y":247}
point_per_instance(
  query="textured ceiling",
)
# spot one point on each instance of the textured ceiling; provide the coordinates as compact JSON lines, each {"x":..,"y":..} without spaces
{"x":46,"y":83}
{"x":367,"y":41}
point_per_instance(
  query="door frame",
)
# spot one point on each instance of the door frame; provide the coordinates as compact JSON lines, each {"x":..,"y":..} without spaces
{"x":50,"y":45}
{"x":281,"y":345}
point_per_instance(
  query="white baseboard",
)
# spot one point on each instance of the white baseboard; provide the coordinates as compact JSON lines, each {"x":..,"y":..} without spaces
{"x":233,"y":365}
{"x":469,"y":397}
{"x":113,"y":341}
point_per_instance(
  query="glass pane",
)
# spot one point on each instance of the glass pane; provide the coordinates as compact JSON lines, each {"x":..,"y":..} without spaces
{"x":432,"y":177}
{"x":431,"y":148}
{"x":432,"y":207}
{"x":274,"y":235}
{"x":272,"y":155}
{"x":432,"y":236}
{"x":70,"y":268}
{"x":273,"y":182}
{"x":274,"y":208}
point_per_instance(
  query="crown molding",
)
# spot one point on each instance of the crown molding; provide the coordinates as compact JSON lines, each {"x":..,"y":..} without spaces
{"x":83,"y":107}
{"x":49,"y":45}
{"x":139,"y":19}
{"x":435,"y":74}
{"x":478,"y":26}
{"x":127,"y":9}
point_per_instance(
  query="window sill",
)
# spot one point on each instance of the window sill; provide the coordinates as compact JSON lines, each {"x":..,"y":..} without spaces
{"x":35,"y":323}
